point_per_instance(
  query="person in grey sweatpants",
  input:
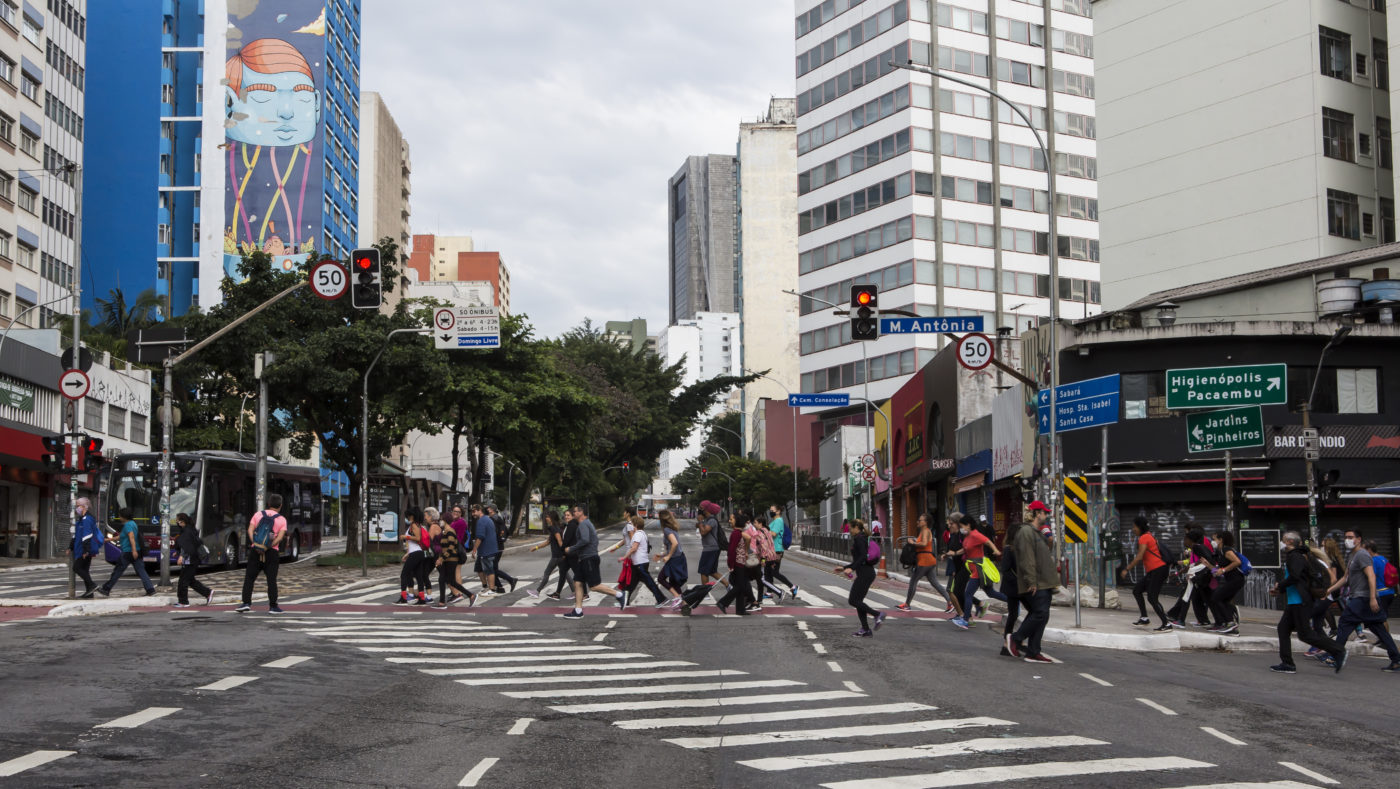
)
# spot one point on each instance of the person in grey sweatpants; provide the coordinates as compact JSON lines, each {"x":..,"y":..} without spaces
{"x":926,"y":565}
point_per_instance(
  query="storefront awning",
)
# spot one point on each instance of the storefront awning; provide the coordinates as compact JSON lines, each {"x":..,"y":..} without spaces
{"x":1389,"y":487}
{"x":1274,"y":500}
{"x":1184,"y":474}
{"x":970,"y":482}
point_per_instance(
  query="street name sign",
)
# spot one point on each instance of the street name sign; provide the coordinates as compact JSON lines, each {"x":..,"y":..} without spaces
{"x":1233,"y":428}
{"x":466,"y":327}
{"x":1092,"y":402}
{"x":1223,"y":387}
{"x":931,"y":325}
{"x":818,"y":400}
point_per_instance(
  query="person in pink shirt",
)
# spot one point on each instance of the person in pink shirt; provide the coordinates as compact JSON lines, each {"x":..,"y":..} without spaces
{"x":262,"y":557}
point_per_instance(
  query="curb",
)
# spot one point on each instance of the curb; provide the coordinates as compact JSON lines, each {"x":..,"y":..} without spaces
{"x":28,"y":567}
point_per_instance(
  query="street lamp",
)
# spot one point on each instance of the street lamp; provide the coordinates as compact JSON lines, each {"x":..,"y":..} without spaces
{"x":364,"y":447}
{"x":793,"y":409}
{"x":1336,"y":339}
{"x":727,"y":456}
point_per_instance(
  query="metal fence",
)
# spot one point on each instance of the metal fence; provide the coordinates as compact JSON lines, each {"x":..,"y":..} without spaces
{"x":836,"y":546}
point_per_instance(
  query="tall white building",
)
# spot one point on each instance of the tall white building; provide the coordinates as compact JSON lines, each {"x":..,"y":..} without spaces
{"x":385,"y":172}
{"x":1237,"y":141}
{"x":896,"y":177}
{"x":709,"y":345}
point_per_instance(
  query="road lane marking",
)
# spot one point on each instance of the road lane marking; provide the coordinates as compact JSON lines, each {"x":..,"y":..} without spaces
{"x":355,"y":584}
{"x":1154,"y":705}
{"x":1012,"y":772}
{"x":514,"y":614}
{"x":610,"y":625}
{"x":603,"y":677}
{"x":836,"y":590}
{"x":814,"y":601}
{"x":834,"y":666}
{"x":768,"y":717}
{"x":696,"y":687}
{"x":478,"y":647}
{"x":1316,"y":776}
{"x":810,"y":635}
{"x":725,"y":701}
{"x":801,"y":624}
{"x":458,"y":672}
{"x":406,"y":613}
{"x":351,"y":613}
{"x":829,"y":616}
{"x":501,"y":658}
{"x":137,"y":718}
{"x":483,"y":643}
{"x":1253,"y":785}
{"x":286,"y":662}
{"x":520,"y":726}
{"x":1222,"y":735}
{"x":820,"y":650}
{"x":978,"y":745}
{"x":31,"y":760}
{"x":476,"y":773}
{"x":916,"y":604}
{"x":9,"y":592}
{"x":1096,"y":680}
{"x":852,"y":686}
{"x":481,"y":649}
{"x":600,"y":636}
{"x":808,"y":735}
{"x":227,"y":683}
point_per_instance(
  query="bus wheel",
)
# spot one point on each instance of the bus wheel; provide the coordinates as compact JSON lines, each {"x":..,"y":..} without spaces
{"x":294,"y":547}
{"x":231,"y":553}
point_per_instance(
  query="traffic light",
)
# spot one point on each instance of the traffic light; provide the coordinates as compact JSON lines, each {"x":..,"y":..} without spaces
{"x":626,"y":465}
{"x":92,"y":453}
{"x":865,"y":312}
{"x":703,"y":472}
{"x":1325,"y":483}
{"x":53,"y":453}
{"x":367,"y":284}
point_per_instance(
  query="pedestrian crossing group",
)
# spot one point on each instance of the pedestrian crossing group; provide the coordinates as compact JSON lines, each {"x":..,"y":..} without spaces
{"x":773,"y":725}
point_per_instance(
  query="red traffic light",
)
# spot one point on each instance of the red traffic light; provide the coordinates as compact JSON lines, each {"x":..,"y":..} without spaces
{"x":92,"y":444}
{"x":364,"y":263}
{"x":863,"y":298}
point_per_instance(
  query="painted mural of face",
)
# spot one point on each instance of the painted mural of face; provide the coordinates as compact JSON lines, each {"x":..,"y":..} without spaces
{"x":275,"y":109}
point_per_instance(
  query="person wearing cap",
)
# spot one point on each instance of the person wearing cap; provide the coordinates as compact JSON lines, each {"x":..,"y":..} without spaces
{"x":709,"y":542}
{"x":1037,"y":579}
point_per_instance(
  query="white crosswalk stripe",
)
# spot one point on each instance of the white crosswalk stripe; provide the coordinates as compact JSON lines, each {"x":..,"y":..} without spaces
{"x":814,"y":601}
{"x":725,"y":701}
{"x":724,"y":672}
{"x":628,"y":666}
{"x":481,"y":649}
{"x":917,"y":605}
{"x":1012,"y":772}
{"x":979,"y":745}
{"x":804,"y":735}
{"x":507,"y":658}
{"x":767,"y":717}
{"x":697,"y":687}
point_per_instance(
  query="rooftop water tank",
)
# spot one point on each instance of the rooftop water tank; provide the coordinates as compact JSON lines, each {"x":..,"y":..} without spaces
{"x":1339,"y":294}
{"x":1379,"y":290}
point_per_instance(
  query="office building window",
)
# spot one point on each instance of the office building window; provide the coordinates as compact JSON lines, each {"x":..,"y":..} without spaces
{"x":1343,"y":214}
{"x":7,"y":187}
{"x":1383,"y":142}
{"x":26,"y":255}
{"x":92,"y":415}
{"x":1387,"y":209}
{"x":138,"y":428}
{"x":1380,"y":61}
{"x":9,"y":11}
{"x":116,"y":421}
{"x":32,"y":32}
{"x":1338,"y":132}
{"x":7,"y":128}
{"x":5,"y":241}
{"x":29,"y":87}
{"x":7,"y":69}
{"x":29,"y":144}
{"x":1335,"y":48}
{"x":27,"y":199}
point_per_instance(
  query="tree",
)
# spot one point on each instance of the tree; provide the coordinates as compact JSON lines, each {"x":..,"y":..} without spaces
{"x":115,"y":316}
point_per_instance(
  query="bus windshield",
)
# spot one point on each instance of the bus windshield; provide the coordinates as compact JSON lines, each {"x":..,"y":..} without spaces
{"x":136,"y":485}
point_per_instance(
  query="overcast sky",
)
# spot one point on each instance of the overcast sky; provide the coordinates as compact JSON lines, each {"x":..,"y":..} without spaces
{"x":547,"y":129}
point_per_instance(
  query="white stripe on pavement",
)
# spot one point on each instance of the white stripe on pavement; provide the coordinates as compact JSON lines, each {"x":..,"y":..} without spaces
{"x":1222,"y":735}
{"x":1316,"y":776}
{"x":286,"y":662}
{"x":520,"y":726}
{"x":227,"y":683}
{"x":917,"y":605}
{"x":9,"y":592}
{"x":401,"y":628}
{"x":137,"y":718}
{"x":459,"y":672}
{"x":814,"y":601}
{"x":477,"y":647}
{"x":504,"y":658}
{"x":528,"y":650}
{"x":1096,"y":680}
{"x":836,"y":590}
{"x":1014,"y":772}
{"x":1252,"y":785}
{"x":834,"y":666}
{"x":374,"y":598}
{"x":31,"y":760}
{"x":767,"y":717}
{"x":1154,"y":705}
{"x":698,"y":687}
{"x":979,"y":745}
{"x":603,"y":678}
{"x":725,"y":701}
{"x":476,"y":773}
{"x":807,"y":735}
{"x":477,"y":643}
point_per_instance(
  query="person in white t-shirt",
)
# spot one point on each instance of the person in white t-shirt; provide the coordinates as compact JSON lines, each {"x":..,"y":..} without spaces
{"x":639,"y":554}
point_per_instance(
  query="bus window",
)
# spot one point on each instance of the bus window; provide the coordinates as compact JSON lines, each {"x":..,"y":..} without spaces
{"x":136,"y":486}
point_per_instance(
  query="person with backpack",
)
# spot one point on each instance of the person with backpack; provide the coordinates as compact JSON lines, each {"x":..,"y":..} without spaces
{"x":782,"y":540}
{"x":767,"y":554}
{"x":740,"y":574}
{"x":415,"y":540}
{"x":712,"y":541}
{"x":502,"y":534}
{"x":1386,"y":575}
{"x":129,"y":541}
{"x":958,"y":570}
{"x":974,"y":547}
{"x":861,"y":571}
{"x":87,"y":543}
{"x":1363,"y":606}
{"x":1154,"y":561}
{"x":448,"y":558}
{"x":639,"y":554}
{"x":1229,"y":580}
{"x":1304,"y":579}
{"x":189,"y":545}
{"x":925,"y":565}
{"x":1200,"y":560}
{"x":673,"y":573}
{"x":265,"y":533}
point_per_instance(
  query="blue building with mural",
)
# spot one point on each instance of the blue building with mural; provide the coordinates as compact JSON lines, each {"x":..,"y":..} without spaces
{"x":217,"y":128}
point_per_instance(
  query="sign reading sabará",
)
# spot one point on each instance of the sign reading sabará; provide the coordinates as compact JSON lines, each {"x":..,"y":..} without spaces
{"x":1234,"y":428}
{"x":1222,"y":387}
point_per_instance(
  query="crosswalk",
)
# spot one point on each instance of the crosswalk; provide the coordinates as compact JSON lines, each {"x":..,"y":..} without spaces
{"x":771,"y":725}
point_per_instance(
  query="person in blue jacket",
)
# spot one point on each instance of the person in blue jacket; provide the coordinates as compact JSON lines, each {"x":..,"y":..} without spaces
{"x":87,"y":543}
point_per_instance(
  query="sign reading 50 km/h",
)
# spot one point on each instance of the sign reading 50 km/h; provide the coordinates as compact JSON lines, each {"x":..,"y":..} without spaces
{"x":1223,"y":387}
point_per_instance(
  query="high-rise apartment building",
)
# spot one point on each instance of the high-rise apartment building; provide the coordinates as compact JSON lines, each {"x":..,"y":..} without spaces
{"x":385,"y":170}
{"x":1234,"y":142}
{"x":42,"y":58}
{"x":707,"y":343}
{"x":270,"y":161}
{"x":937,"y":193}
{"x":454,"y":259}
{"x":702,"y":232}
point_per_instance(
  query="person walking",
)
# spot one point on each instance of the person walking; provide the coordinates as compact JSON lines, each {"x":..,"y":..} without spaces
{"x":554,"y":538}
{"x":1363,"y":606}
{"x":1384,"y":572}
{"x":862,"y":572}
{"x":774,"y":569}
{"x":1149,"y":555}
{"x":411,"y":575}
{"x":639,"y":554}
{"x":1009,"y":586}
{"x":767,"y":554}
{"x":925,"y":566}
{"x":129,"y":541}
{"x":1299,"y":580}
{"x":1037,"y":580}
{"x":188,"y":543}
{"x":974,"y":547}
{"x":262,"y":556}
{"x":502,"y":534}
{"x":958,"y":569}
{"x":1229,"y":580}
{"x":673,"y":573}
{"x":483,"y":545}
{"x":584,"y":554}
{"x":87,"y":543}
{"x":740,"y":590}
{"x":449,"y":557}
{"x":711,"y":544}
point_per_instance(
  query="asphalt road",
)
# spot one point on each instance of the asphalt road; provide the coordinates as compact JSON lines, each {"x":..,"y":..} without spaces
{"x":519,"y":697}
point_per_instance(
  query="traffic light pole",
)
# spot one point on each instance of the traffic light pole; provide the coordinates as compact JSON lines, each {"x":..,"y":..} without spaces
{"x":364,"y":449}
{"x":76,"y":171}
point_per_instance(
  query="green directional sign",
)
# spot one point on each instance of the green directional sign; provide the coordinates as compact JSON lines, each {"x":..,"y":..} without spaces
{"x":1233,"y":428}
{"x":1222,"y":387}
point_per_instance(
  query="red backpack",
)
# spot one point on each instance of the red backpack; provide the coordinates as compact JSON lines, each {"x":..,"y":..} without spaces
{"x":1390,"y":577}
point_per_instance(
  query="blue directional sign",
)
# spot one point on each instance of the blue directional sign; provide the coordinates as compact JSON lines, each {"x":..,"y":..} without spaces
{"x":940,"y":325}
{"x":1089,"y":403}
{"x":818,"y":400}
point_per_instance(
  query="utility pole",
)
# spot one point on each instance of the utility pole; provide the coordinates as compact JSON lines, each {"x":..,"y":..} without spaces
{"x":260,"y":363}
{"x":364,"y":448}
{"x":76,"y":172}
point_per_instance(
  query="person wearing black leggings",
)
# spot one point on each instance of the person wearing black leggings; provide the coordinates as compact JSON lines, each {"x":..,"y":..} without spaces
{"x":1229,"y":582}
{"x":1149,"y":555}
{"x":864,"y":576}
{"x":1009,"y":587}
{"x":413,"y":539}
{"x":449,"y":557}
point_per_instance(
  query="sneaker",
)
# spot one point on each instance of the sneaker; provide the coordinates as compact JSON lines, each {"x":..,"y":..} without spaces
{"x":486,"y":593}
{"x":574,"y":615}
{"x":864,"y":632}
{"x":1284,"y":668}
{"x":471,"y":601}
{"x":1313,"y":652}
{"x":1004,"y":652}
{"x":1176,"y":623}
{"x":903,"y":607}
{"x":439,"y":606}
{"x":1339,"y":662}
{"x":1012,"y":649}
{"x":1393,"y":668}
{"x":87,"y":595}
{"x":453,"y":597}
{"x":209,"y":598}
{"x":948,"y":609}
{"x":274,"y":610}
{"x":150,"y":591}
{"x":960,"y":622}
{"x":243,"y":609}
{"x":104,"y":590}
{"x":1201,"y":625}
{"x":1163,"y":629}
{"x":880,"y":619}
{"x":1231,"y":629}
{"x":1142,"y":621}
{"x":621,"y":601}
{"x":403,"y":600}
{"x":179,"y":605}
{"x":664,"y":604}
{"x":793,"y":591}
{"x":1037,"y":659}
{"x":553,"y":596}
{"x":532,"y":592}
{"x":513,"y":582}
{"x":419,"y":601}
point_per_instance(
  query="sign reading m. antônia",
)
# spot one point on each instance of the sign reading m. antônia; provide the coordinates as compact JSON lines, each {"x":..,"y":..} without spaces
{"x":1223,"y":387}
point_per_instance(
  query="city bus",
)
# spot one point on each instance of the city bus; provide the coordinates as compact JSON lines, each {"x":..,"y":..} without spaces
{"x":218,"y":489}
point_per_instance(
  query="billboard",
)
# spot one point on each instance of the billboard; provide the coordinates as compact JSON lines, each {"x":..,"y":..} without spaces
{"x":273,"y":104}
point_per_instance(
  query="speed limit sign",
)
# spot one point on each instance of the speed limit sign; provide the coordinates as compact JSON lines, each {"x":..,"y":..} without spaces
{"x":329,"y":280}
{"x":975,"y":351}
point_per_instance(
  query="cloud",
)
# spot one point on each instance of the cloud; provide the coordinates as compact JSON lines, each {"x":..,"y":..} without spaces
{"x":548,"y":130}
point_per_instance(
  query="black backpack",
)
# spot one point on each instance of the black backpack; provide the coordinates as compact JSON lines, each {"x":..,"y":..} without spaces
{"x":1318,"y":579}
{"x":1164,"y":552}
{"x":908,"y":555}
{"x":720,"y":537}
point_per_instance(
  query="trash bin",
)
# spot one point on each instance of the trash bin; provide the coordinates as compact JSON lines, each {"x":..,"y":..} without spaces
{"x":21,"y":545}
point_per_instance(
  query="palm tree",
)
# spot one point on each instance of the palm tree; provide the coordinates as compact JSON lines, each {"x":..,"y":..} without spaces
{"x":115,"y":317}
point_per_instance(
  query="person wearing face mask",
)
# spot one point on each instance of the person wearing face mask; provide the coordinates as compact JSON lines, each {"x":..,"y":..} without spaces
{"x":1298,"y":578}
{"x":975,"y":546}
{"x":954,"y":555}
{"x":87,"y":543}
{"x":1362,"y":606}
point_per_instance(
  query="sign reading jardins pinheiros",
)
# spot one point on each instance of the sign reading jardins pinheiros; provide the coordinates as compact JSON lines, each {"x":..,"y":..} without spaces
{"x":1223,"y":387}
